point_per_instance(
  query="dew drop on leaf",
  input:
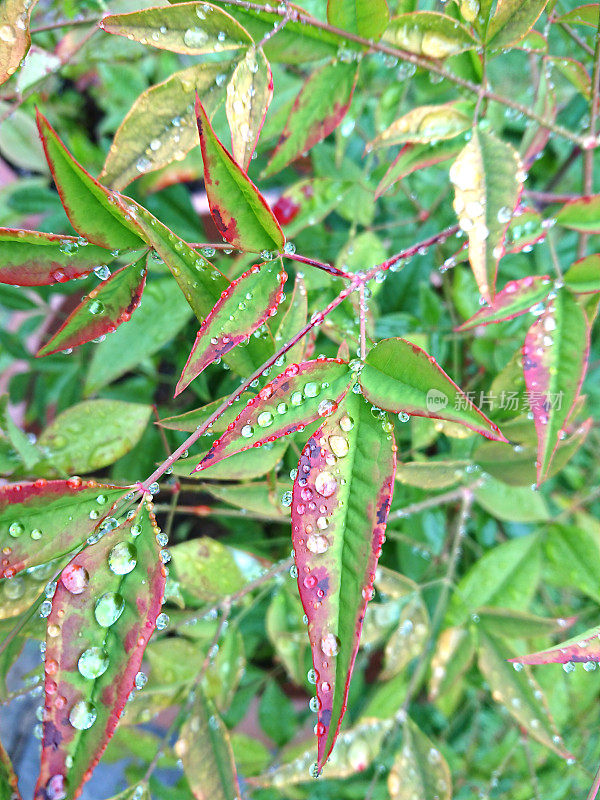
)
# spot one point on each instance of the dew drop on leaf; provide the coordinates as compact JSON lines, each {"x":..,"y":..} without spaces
{"x":93,"y":662}
{"x":339,"y":446}
{"x":346,"y":423}
{"x":83,"y":715}
{"x":75,"y":578}
{"x":108,"y":609}
{"x":330,"y":645}
{"x":16,"y":529}
{"x":122,"y":558}
{"x":56,"y":788}
{"x":325,"y":484}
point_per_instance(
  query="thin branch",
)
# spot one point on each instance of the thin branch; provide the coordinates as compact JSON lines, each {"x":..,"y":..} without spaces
{"x":313,"y":262}
{"x":432,"y":502}
{"x":65,"y":23}
{"x":418,"y":61}
{"x":363,"y":317}
{"x":588,"y":156}
{"x":576,"y":38}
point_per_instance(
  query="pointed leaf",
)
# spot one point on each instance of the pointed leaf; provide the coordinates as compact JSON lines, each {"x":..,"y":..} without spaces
{"x":104,"y":611}
{"x":555,"y":357}
{"x":426,"y":124}
{"x":430,"y":34}
{"x":309,"y":201}
{"x":415,"y":157}
{"x":337,"y":544}
{"x":367,"y":18}
{"x":582,"y":15}
{"x":584,"y":648}
{"x":317,"y":111}
{"x":488,"y":180}
{"x":33,"y":258}
{"x":581,"y":215}
{"x":252,"y":463}
{"x":25,"y":449}
{"x":452,"y":657}
{"x":400,"y":377}
{"x":194,"y":419}
{"x":518,"y":297}
{"x":249,"y":95}
{"x":205,"y":749}
{"x":293,"y":320}
{"x":239,"y":210}
{"x":512,"y":503}
{"x":571,"y":556}
{"x":511,"y":21}
{"x":160,"y":127}
{"x":75,"y":445}
{"x":518,"y":692}
{"x":505,"y":576}
{"x":520,"y":624}
{"x":44,"y":520}
{"x":145,"y":333}
{"x":261,"y":498}
{"x":91,"y":208}
{"x":419,"y":769}
{"x":242,"y":308}
{"x":108,"y":305}
{"x":297,"y":397}
{"x":583,"y":277}
{"x":15,"y":38}
{"x":524,"y":230}
{"x":189,"y":28}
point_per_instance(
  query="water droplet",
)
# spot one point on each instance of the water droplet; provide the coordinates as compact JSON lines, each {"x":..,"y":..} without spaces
{"x":93,"y":662}
{"x":56,"y":788}
{"x":314,"y":704}
{"x":325,"y":484}
{"x":83,"y":715}
{"x":162,"y":621}
{"x":286,"y":499}
{"x":16,"y":529}
{"x":346,"y":423}
{"x":247,"y":431}
{"x":330,"y":645}
{"x":108,"y":609}
{"x":317,"y":543}
{"x":122,"y":558}
{"x":265,"y":419}
{"x":339,"y":446}
{"x":326,"y":408}
{"x":74,"y":578}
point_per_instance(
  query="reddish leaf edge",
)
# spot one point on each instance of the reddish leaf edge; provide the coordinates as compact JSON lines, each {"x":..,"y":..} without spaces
{"x":110,"y":325}
{"x":474,"y":322}
{"x":202,"y":121}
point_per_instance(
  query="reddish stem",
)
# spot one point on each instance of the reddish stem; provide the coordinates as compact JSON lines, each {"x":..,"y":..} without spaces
{"x":339,"y":273}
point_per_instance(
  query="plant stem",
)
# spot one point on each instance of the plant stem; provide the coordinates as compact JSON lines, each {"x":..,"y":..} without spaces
{"x":417,"y":61}
{"x":339,"y":273}
{"x":65,"y":23}
{"x":433,"y":502}
{"x":363,"y":316}
{"x":588,"y":155}
{"x":595,"y":786}
{"x":437,"y":238}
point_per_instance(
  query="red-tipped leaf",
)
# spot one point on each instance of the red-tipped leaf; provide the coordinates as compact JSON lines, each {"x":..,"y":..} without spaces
{"x":111,"y":303}
{"x":44,"y":520}
{"x":555,"y":356}
{"x":242,"y":308}
{"x":239,"y":210}
{"x":584,"y":648}
{"x":517,"y":297}
{"x":297,"y":397}
{"x":339,"y":513}
{"x":34,"y":258}
{"x":104,"y":611}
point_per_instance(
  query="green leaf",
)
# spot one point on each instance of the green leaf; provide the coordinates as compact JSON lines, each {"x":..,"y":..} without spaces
{"x":555,"y":357}
{"x":111,"y":303}
{"x":572,"y":554}
{"x":367,"y":18}
{"x":487,"y":178}
{"x":517,"y":297}
{"x":409,"y":637}
{"x":355,"y":751}
{"x":160,"y":126}
{"x":19,"y":139}
{"x":44,"y":520}
{"x":33,"y":258}
{"x":276,"y":714}
{"x":292,"y":320}
{"x":582,"y":15}
{"x":583,"y":648}
{"x":205,"y":749}
{"x":194,"y":419}
{"x":518,"y":692}
{"x":91,"y":208}
{"x":300,"y":395}
{"x":513,"y":503}
{"x":249,"y":95}
{"x":511,"y":21}
{"x":581,"y":215}
{"x":520,"y":624}
{"x":242,"y":308}
{"x":317,"y":111}
{"x":583,"y":277}
{"x":190,"y":28}
{"x":505,"y":576}
{"x":239,"y":210}
{"x":287,"y":634}
{"x":426,"y":124}
{"x":27,"y":452}
{"x":9,"y":786}
{"x":296,"y":43}
{"x":207,"y":570}
{"x":452,"y":657}
{"x":252,"y":463}
{"x":145,"y":333}
{"x":15,"y":39}
{"x":307,"y":202}
{"x":419,"y":769}
{"x":402,"y":378}
{"x":104,"y":611}
{"x":74,"y":445}
{"x":416,"y":157}
{"x":337,"y":544}
{"x":431,"y":474}
{"x":262,"y":499}
{"x":430,"y":34}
